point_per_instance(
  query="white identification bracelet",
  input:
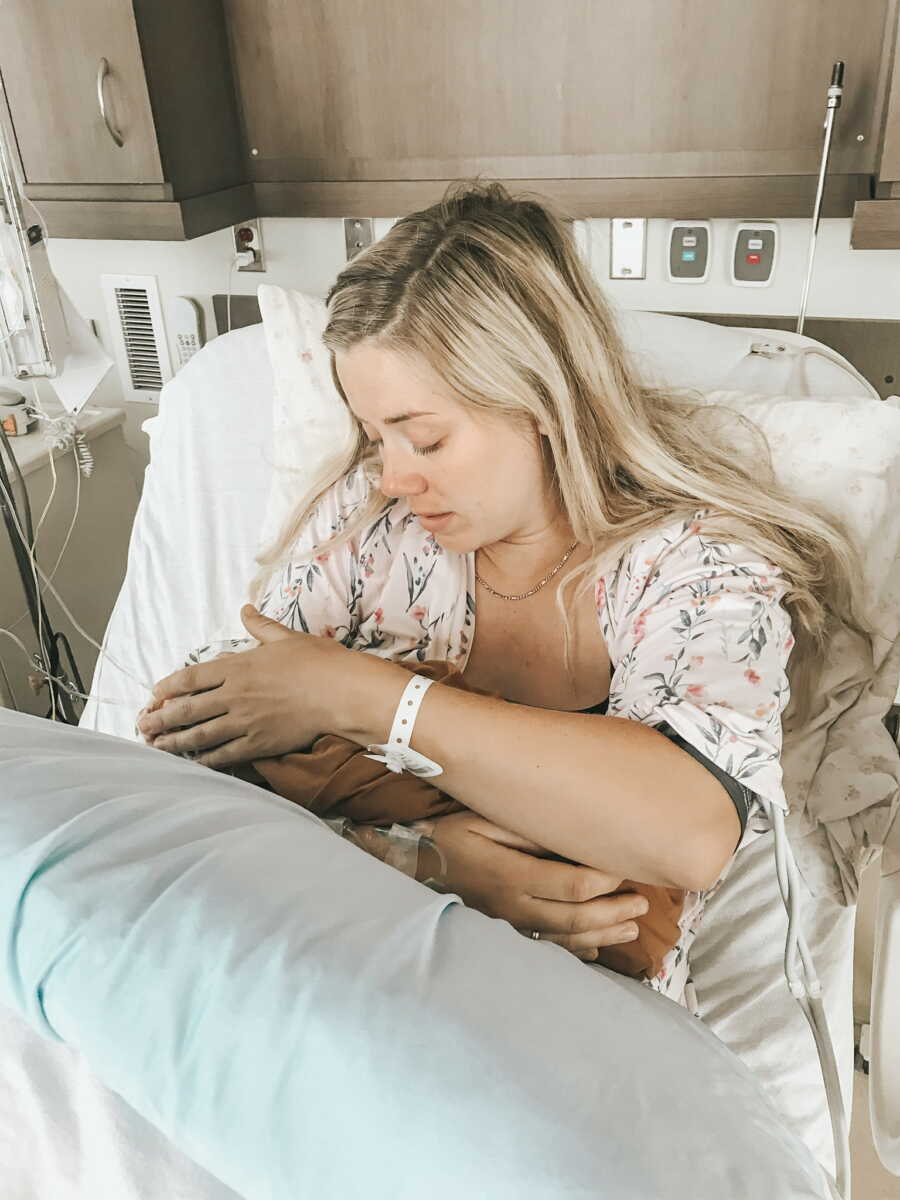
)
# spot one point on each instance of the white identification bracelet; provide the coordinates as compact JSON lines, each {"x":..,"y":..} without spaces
{"x":396,"y":754}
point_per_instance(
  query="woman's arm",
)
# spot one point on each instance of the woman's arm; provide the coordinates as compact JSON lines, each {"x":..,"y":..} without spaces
{"x":610,"y":793}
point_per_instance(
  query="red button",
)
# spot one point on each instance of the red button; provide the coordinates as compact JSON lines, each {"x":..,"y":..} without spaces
{"x":752,"y":258}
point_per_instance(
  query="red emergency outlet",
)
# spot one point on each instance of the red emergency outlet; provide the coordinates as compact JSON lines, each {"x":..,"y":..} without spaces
{"x":752,"y":258}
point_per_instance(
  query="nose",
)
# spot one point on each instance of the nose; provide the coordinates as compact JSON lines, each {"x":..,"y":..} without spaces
{"x":397,"y":479}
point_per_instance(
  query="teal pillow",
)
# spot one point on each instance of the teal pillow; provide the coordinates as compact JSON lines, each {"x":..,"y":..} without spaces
{"x":305,"y":1021}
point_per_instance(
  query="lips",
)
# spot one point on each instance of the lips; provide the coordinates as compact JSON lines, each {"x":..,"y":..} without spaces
{"x":435,"y":522}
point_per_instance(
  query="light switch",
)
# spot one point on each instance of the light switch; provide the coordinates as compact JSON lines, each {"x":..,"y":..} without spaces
{"x":628,"y":248}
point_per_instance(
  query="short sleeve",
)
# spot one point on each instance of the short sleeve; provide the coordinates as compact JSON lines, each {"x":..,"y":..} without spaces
{"x":700,"y":641}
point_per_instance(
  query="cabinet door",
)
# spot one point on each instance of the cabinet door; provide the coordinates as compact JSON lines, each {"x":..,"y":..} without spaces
{"x":573,"y":89}
{"x":50,"y":52}
{"x":889,"y":163}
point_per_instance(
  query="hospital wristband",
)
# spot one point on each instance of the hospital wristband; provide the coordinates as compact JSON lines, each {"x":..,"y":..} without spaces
{"x":397,"y":754}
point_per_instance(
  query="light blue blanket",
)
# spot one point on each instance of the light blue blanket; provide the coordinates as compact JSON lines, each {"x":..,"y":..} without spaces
{"x":309,"y":1024}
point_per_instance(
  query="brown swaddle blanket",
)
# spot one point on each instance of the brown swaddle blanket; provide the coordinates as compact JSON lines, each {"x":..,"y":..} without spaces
{"x":335,"y":778}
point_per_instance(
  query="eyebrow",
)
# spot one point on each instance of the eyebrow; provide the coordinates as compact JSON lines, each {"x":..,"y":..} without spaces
{"x":406,"y":417}
{"x":409,"y":416}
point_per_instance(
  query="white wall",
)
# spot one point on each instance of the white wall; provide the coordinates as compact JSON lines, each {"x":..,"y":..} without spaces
{"x":307,"y":253}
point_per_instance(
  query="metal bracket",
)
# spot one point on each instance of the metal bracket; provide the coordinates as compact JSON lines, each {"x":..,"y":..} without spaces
{"x":359,"y":233}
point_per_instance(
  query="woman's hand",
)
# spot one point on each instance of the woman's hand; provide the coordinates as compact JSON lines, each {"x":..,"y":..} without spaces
{"x":503,"y":875}
{"x":256,"y":704}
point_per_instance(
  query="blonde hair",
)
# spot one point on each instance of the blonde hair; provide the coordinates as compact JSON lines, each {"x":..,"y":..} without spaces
{"x":491,"y":292}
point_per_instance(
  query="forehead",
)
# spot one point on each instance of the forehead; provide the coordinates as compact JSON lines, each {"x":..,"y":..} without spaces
{"x":380,"y":384}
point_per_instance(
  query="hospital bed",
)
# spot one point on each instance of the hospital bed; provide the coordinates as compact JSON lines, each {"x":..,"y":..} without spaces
{"x":73,"y":1121}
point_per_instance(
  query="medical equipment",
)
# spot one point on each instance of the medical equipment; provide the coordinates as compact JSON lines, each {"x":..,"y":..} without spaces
{"x":15,"y":418}
{"x":47,"y":660}
{"x":689,"y":252}
{"x":754,"y":254}
{"x":835,"y":92}
{"x":186,"y":322}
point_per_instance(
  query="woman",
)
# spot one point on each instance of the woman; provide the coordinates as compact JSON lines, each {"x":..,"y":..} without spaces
{"x":506,"y":456}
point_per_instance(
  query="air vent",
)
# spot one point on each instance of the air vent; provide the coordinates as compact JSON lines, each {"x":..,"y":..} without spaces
{"x":135,"y":318}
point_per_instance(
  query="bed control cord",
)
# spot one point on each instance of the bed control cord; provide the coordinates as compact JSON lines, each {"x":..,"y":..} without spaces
{"x":805,"y":987}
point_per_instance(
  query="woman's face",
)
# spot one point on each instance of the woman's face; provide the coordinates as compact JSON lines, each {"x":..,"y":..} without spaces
{"x":472,"y":480}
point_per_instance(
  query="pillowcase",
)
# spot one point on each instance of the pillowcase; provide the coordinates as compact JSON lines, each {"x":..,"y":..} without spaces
{"x":310,"y":421}
{"x":304,"y":1020}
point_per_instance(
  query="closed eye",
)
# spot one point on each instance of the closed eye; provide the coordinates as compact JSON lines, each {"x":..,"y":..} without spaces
{"x":416,"y":449}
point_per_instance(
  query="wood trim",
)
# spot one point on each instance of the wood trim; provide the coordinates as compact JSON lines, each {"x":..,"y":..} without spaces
{"x":876,"y":225}
{"x":889,"y":159}
{"x":99,"y":191}
{"x":740,"y":197}
{"x":152,"y":220}
{"x":192,"y":94}
{"x":218,"y":210}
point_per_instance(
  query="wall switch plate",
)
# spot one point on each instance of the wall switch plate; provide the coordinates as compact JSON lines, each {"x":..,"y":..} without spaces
{"x":688,"y":252}
{"x":359,"y":232}
{"x":628,"y":248}
{"x":754,"y":254}
{"x":248,"y":236}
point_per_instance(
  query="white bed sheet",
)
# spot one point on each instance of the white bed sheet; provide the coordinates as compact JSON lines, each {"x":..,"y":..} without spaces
{"x":189,"y":575}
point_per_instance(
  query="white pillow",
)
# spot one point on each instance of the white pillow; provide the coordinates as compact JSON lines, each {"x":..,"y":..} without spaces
{"x":310,"y":420}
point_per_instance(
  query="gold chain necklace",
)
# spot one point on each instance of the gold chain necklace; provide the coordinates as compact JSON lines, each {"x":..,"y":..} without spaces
{"x":524,"y":596}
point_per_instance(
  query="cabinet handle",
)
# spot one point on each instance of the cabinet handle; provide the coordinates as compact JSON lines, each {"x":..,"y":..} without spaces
{"x":102,"y":72}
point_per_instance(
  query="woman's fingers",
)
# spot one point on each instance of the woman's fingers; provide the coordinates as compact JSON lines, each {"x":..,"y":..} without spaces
{"x":187,"y":710}
{"x":207,"y":736}
{"x":583,"y":928}
{"x":586,"y":945}
{"x":198,"y":678}
{"x":230,"y":755}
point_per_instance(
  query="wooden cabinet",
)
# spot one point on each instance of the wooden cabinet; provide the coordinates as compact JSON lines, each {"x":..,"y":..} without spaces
{"x":165,"y":159}
{"x":239,"y":108}
{"x":876,"y":222}
{"x":712,"y":108}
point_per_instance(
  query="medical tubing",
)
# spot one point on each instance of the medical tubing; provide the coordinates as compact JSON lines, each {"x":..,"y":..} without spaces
{"x":9,"y":687}
{"x":400,"y":846}
{"x":18,"y":473}
{"x":25,"y":560}
{"x":823,"y":352}
{"x":35,"y":603}
{"x":807,"y":993}
{"x":147,"y":686}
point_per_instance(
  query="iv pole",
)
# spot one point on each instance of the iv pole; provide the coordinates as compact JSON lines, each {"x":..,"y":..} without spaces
{"x":835,"y":92}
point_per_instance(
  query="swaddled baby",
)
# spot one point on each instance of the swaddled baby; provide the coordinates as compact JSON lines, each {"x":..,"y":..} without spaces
{"x":334,"y":778}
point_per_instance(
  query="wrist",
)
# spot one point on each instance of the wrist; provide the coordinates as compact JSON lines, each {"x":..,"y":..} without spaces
{"x":365,"y":703}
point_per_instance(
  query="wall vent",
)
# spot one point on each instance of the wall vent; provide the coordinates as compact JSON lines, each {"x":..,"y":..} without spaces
{"x":139,"y":340}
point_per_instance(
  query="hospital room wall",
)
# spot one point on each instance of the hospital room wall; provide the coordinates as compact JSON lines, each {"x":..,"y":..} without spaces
{"x":307,"y":253}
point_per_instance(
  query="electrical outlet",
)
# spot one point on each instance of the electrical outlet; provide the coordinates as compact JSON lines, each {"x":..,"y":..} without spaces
{"x":248,"y":236}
